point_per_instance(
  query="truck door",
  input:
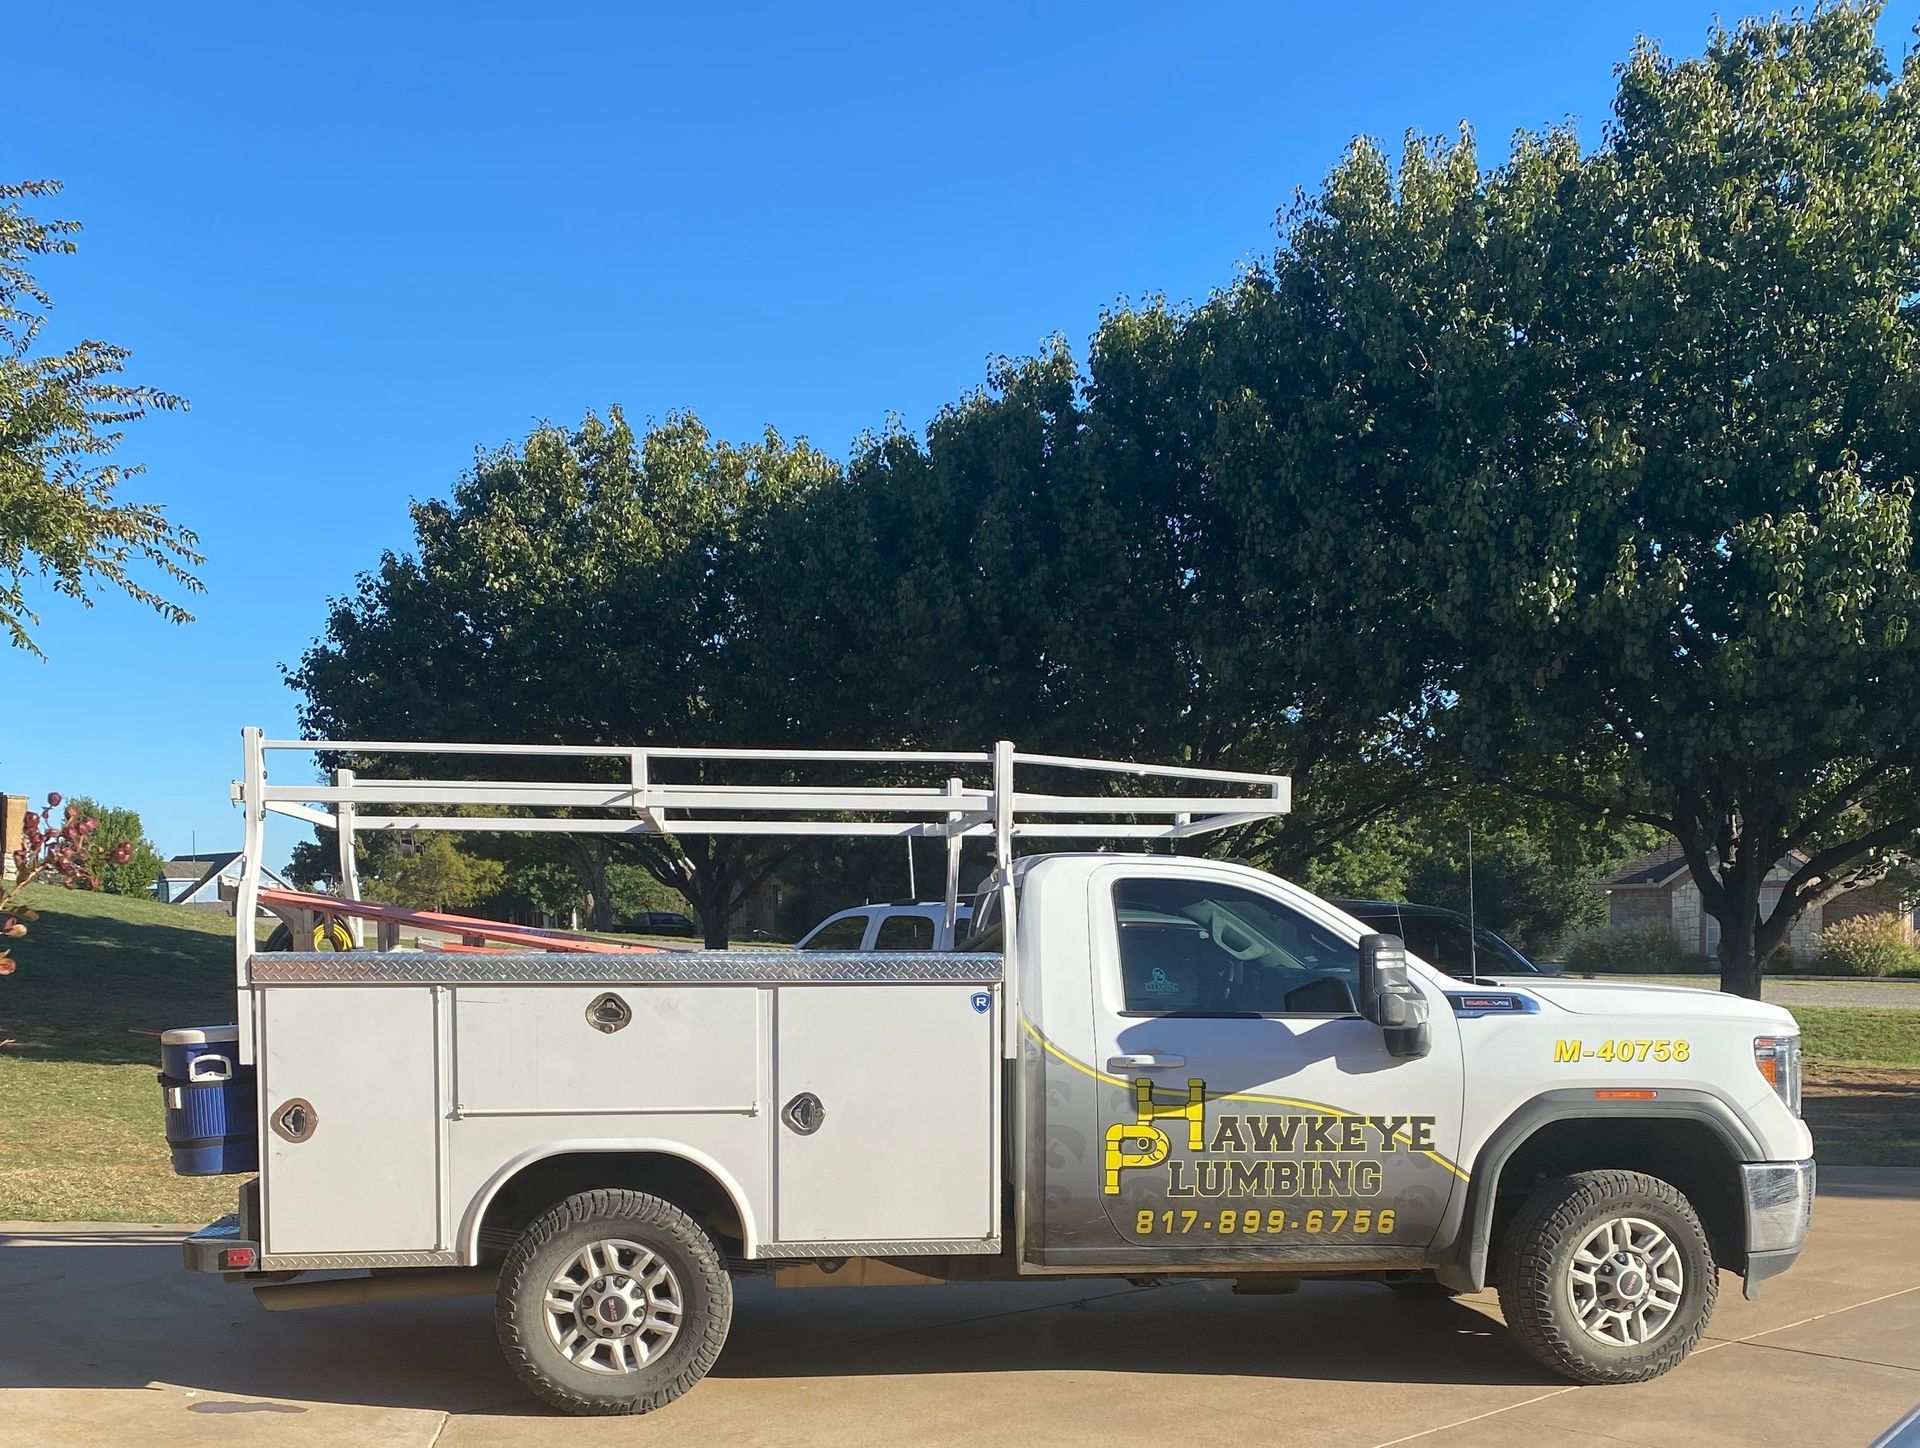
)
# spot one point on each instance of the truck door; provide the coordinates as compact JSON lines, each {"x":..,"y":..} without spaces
{"x":1249,"y":1113}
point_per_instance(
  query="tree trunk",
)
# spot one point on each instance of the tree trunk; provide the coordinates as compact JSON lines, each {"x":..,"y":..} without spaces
{"x":712,"y":902}
{"x":715,"y":876}
{"x":1739,"y":920}
{"x":709,"y":888}
{"x":1739,"y":965}
{"x":590,"y":855}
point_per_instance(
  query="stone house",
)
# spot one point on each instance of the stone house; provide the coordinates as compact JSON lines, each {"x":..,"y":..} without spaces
{"x":13,"y":826}
{"x":1657,"y":890}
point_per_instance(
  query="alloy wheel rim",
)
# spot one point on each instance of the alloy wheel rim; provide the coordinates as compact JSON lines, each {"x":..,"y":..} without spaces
{"x":613,"y":1307}
{"x":1626,"y":1280}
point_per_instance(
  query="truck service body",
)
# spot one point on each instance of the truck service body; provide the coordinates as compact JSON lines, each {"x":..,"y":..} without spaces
{"x":1136,"y":1065}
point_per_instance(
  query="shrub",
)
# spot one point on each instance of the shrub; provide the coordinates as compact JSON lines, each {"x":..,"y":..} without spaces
{"x":1867,"y":945}
{"x":1628,"y":950}
{"x":70,"y":849}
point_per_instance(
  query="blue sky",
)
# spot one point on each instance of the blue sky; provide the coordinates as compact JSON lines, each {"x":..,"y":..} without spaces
{"x":364,"y":241}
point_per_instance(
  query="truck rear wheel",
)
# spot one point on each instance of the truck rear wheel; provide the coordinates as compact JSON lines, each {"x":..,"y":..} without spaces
{"x":613,"y":1302}
{"x":1607,"y":1276}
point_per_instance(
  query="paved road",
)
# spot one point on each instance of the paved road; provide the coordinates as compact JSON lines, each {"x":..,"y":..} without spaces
{"x":104,"y":1340}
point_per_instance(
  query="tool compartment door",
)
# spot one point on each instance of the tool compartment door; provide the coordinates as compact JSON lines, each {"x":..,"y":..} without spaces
{"x":364,"y":1060}
{"x":887,"y":1113}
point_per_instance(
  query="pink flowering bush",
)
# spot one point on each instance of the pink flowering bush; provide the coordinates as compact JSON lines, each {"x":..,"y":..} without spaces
{"x":65,"y":849}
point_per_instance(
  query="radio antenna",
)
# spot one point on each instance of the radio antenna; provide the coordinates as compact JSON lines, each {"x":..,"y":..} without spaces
{"x":1473,"y":926}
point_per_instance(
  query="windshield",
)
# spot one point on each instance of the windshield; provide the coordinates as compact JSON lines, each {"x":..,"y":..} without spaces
{"x":1441,"y":938}
{"x":1443,"y":941}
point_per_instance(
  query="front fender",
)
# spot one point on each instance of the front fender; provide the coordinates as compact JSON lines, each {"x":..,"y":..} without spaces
{"x":1461,"y":1247}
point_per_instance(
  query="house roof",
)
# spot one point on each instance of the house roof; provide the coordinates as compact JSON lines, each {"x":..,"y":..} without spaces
{"x":1668,"y":863}
{"x":197,"y":867}
{"x":271,"y":876}
{"x":1660,"y":867}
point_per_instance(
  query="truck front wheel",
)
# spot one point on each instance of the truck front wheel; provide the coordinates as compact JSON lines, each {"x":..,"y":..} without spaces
{"x":613,"y":1302}
{"x":1607,"y":1277}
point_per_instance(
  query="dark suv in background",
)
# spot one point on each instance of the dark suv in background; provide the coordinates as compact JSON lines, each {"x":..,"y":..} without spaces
{"x":1444,"y":938}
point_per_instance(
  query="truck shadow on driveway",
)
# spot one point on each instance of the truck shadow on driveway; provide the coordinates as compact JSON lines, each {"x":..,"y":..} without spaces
{"x":122,"y":1314}
{"x":1328,"y":1331}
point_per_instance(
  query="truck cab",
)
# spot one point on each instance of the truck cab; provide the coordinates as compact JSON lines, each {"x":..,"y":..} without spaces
{"x":1196,"y":1028}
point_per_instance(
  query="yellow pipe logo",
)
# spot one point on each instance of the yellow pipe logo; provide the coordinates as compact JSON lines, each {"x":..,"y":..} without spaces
{"x":1141,"y":1143}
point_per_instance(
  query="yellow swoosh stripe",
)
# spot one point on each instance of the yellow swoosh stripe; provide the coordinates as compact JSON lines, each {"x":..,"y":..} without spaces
{"x":1176,"y":1097}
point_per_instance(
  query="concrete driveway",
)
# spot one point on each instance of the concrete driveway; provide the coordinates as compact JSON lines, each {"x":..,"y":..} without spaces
{"x":103,"y":1340}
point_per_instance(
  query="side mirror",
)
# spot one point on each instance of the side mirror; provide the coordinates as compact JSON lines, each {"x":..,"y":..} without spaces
{"x":1389,"y":999}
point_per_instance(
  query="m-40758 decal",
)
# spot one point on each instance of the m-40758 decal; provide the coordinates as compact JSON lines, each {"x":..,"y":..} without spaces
{"x":1622,"y":1050}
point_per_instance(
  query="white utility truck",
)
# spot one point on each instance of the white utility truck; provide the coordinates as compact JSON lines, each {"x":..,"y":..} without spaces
{"x":1139,"y":1065}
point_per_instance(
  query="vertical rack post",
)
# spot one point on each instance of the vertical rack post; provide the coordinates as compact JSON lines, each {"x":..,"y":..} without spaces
{"x":246,"y":904}
{"x":349,"y":863}
{"x":1003,"y":871}
{"x":951,"y":918}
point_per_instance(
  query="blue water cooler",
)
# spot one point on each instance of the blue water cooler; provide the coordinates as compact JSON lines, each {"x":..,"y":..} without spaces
{"x":210,"y":1100}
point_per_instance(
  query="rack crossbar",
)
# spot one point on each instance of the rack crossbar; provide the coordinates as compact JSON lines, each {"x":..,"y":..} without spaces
{"x":641,"y":805}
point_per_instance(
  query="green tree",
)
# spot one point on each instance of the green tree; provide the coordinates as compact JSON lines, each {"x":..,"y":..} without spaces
{"x":436,"y":874}
{"x":635,"y":889}
{"x":1530,"y":872}
{"x":1056,"y":564}
{"x":314,"y":864}
{"x":583,"y":588}
{"x":135,"y":874}
{"x":61,"y":415}
{"x":1629,"y":437}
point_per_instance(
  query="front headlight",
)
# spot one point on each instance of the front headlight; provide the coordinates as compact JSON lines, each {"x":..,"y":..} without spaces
{"x":1778,"y":1059}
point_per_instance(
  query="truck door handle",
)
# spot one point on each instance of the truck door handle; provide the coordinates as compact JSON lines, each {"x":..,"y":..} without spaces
{"x":1145,"y":1061}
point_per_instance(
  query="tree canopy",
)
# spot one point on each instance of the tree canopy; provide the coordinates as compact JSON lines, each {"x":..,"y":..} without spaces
{"x":62,"y":417}
{"x":1586,"y":477}
{"x":1640,"y":426}
{"x":582,"y":589}
{"x":114,"y":828}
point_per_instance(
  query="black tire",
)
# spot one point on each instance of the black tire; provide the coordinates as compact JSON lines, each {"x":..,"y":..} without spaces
{"x":1535,"y":1291}
{"x":564,"y":1230}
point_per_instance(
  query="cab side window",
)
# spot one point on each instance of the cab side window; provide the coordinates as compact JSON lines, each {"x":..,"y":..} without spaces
{"x":1201,"y":947}
{"x":840,"y":934}
{"x":904,"y":932}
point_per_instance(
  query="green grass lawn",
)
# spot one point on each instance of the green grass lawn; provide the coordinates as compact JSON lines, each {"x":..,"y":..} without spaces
{"x":81,"y":1133}
{"x":96,"y":970}
{"x":1860,"y":1035}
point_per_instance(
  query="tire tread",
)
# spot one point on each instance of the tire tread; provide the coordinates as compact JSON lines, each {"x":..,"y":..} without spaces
{"x":1528,"y":1285}
{"x":610,"y":1205}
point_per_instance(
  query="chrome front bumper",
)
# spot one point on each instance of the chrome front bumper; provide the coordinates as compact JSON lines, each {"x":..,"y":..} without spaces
{"x":1779,"y":1207}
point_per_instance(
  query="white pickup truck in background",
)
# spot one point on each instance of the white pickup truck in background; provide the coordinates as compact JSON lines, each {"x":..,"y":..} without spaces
{"x":1140,"y":1066}
{"x":897,"y":925}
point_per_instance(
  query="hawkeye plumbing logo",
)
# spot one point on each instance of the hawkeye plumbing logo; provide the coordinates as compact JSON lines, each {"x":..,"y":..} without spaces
{"x":1306,"y":1154}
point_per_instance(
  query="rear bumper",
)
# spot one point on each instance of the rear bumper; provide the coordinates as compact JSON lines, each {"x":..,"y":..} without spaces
{"x":1779,"y":1210}
{"x":207,"y":1249}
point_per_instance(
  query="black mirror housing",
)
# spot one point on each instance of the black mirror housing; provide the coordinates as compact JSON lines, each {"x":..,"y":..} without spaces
{"x":1389,"y":998}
